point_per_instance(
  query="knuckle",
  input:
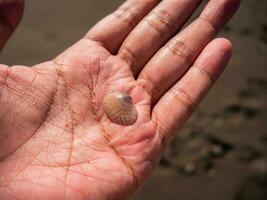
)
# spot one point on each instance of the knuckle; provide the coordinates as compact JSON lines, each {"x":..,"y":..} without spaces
{"x":183,"y":98}
{"x":149,"y":84}
{"x":204,"y":20}
{"x":161,"y":130}
{"x":161,"y":21}
{"x":127,"y":55}
{"x":126,"y":14}
{"x":181,"y":50}
{"x":205,"y":73}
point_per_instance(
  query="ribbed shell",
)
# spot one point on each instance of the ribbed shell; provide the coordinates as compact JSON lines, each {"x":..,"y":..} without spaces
{"x":120,"y":109}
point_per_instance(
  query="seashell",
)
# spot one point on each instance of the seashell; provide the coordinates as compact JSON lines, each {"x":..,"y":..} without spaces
{"x":120,"y":109}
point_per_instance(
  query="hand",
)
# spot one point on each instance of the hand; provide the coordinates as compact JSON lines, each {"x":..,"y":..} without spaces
{"x":55,"y":140}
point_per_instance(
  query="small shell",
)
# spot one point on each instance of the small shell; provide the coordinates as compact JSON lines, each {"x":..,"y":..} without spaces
{"x":120,"y":109}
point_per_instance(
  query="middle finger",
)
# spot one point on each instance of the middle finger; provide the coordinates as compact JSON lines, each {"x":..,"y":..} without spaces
{"x":154,"y":30}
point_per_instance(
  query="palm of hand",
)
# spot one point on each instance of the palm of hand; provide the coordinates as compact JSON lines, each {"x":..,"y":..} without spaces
{"x":55,"y":140}
{"x":55,"y":122}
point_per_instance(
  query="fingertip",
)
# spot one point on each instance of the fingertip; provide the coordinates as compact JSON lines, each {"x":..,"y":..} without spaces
{"x":219,"y":12}
{"x":215,"y":57}
{"x":223,"y":45}
{"x":219,"y":48}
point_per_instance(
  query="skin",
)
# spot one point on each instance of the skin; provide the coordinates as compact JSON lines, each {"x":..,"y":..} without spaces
{"x":55,"y":140}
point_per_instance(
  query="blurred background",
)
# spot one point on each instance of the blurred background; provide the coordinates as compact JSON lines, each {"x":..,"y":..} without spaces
{"x":222,"y":151}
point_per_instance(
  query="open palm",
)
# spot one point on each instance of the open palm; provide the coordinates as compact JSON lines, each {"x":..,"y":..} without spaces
{"x":56,"y":141}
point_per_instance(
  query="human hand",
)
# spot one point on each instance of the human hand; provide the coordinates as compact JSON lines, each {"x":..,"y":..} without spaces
{"x":56,"y":141}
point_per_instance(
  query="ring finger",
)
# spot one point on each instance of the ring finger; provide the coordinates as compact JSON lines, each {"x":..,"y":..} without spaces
{"x":175,"y":58}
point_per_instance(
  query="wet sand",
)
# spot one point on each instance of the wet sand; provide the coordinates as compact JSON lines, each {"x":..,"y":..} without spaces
{"x":222,"y":152}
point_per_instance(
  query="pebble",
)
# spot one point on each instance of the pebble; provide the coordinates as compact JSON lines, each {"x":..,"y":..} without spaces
{"x":189,"y":169}
{"x":217,"y":150}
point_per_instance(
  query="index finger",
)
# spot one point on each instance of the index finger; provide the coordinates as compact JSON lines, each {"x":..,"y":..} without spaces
{"x":112,"y":30}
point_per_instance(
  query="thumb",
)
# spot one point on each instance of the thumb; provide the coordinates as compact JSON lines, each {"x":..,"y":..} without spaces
{"x":10,"y":15}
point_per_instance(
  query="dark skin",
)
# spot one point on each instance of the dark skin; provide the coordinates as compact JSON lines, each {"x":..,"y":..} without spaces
{"x":55,"y":140}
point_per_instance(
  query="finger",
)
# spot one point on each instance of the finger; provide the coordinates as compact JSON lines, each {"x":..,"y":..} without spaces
{"x":154,"y":30}
{"x":10,"y":15}
{"x":174,"y":59}
{"x":175,"y":107}
{"x":113,"y":29}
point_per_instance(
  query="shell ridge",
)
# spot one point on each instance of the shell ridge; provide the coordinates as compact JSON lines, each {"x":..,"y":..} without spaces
{"x":120,"y":108}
